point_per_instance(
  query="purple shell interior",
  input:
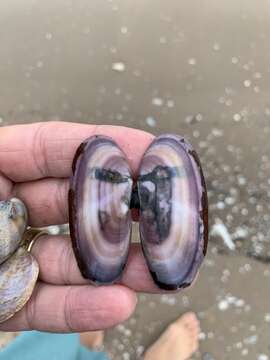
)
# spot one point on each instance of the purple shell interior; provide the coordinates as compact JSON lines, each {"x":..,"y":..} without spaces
{"x":173,"y":211}
{"x":99,"y":198}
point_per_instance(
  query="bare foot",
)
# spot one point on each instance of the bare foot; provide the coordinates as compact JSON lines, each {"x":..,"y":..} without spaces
{"x":92,"y":340}
{"x":178,"y":342}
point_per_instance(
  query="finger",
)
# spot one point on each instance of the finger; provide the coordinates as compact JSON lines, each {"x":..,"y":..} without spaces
{"x":46,"y":200}
{"x":34,"y":151}
{"x":73,"y":308}
{"x":58,"y":265}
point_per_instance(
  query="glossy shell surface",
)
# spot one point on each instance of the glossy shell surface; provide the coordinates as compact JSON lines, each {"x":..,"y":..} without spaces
{"x":173,"y":211}
{"x":99,"y":198}
{"x":18,"y":276}
{"x":13,"y":222}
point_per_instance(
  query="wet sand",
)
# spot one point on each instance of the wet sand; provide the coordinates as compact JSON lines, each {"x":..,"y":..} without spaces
{"x":196,"y":68}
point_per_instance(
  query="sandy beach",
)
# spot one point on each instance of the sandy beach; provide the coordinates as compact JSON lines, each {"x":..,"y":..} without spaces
{"x":200,"y":69}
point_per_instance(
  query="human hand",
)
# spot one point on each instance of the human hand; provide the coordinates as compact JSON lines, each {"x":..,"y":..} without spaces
{"x":35,"y":165}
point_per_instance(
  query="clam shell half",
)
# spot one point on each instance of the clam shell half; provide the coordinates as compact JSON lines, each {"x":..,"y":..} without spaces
{"x":100,"y":219}
{"x":18,"y":276}
{"x":173,"y":211}
{"x":13,"y":223}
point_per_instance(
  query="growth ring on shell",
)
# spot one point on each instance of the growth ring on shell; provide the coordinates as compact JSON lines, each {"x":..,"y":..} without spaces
{"x":173,"y":211}
{"x":99,"y":198}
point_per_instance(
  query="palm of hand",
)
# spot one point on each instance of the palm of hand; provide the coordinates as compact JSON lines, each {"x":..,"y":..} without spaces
{"x":35,"y":165}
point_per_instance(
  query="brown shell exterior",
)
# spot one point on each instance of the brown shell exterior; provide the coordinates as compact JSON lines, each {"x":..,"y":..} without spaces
{"x":18,"y":276}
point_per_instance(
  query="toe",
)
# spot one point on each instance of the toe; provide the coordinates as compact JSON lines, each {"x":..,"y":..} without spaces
{"x":194,"y":345}
{"x":193,"y":329}
{"x":192,"y":323}
{"x":189,"y":319}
